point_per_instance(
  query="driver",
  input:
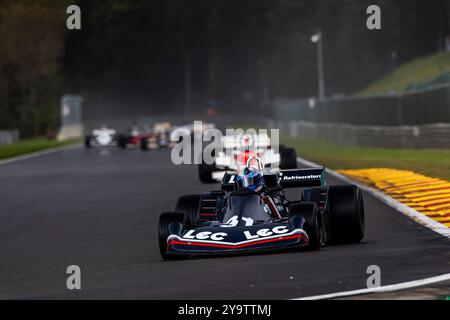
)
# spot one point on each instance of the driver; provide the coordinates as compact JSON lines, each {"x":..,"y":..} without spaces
{"x":250,"y":179}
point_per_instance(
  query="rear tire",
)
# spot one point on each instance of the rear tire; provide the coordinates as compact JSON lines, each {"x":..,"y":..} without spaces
{"x":310,"y":213}
{"x":122,"y":141}
{"x":347,"y":220}
{"x":205,"y":172}
{"x":144,"y":144}
{"x":88,"y":142}
{"x":190,"y":205}
{"x":288,"y":159}
{"x":165,"y":220}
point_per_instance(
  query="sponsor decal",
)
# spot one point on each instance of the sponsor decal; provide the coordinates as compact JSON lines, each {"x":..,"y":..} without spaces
{"x":249,"y":235}
{"x":308,"y":177}
{"x":205,"y":235}
{"x":262,"y":233}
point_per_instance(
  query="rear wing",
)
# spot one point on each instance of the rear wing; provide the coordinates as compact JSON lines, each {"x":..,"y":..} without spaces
{"x":228,"y":182}
{"x":298,"y":178}
{"x":302,"y":178}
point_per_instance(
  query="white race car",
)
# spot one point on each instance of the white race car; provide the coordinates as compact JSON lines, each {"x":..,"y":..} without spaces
{"x":101,"y":137}
{"x":236,"y":152}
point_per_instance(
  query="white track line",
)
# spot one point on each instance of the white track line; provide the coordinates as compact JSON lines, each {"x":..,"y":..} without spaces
{"x":413,"y":214}
{"x":383,"y":289}
{"x":37,"y":154}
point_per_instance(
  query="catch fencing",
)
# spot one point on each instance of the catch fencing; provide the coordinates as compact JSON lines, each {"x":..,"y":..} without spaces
{"x":418,"y":119}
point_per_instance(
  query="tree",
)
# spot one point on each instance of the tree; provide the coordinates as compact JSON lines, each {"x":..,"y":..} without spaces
{"x":32,"y":43}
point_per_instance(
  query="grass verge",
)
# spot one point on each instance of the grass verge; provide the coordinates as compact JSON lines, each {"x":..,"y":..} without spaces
{"x":32,"y":145}
{"x":419,"y":70}
{"x":430,"y":162}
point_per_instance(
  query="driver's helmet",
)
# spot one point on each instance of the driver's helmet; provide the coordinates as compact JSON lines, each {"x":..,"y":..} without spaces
{"x":250,"y":179}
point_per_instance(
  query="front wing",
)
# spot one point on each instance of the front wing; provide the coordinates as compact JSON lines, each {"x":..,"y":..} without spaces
{"x":292,"y":239}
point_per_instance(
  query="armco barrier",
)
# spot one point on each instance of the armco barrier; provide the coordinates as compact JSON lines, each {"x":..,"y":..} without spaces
{"x":425,"y":136}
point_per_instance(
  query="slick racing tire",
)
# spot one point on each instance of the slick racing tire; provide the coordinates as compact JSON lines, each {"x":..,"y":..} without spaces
{"x":88,"y":142}
{"x":144,"y":144}
{"x":288,"y":159}
{"x":122,"y":141}
{"x":190,"y":205}
{"x":312,"y":223}
{"x":347,"y":221}
{"x":165,"y":221}
{"x":205,"y":172}
{"x":315,"y":195}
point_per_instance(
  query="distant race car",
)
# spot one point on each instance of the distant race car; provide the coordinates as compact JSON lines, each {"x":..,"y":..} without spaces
{"x":234,"y":220}
{"x":157,"y":138}
{"x":100,"y":138}
{"x":237,"y":151}
{"x":130,"y":139}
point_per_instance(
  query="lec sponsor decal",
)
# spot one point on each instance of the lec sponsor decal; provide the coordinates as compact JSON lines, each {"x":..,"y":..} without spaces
{"x":220,"y":236}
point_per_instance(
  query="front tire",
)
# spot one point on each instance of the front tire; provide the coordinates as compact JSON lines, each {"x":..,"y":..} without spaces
{"x":88,"y":142}
{"x":165,"y":221}
{"x":122,"y":141}
{"x":288,"y":159}
{"x":205,"y":172}
{"x":310,"y":213}
{"x":190,"y":205}
{"x":347,"y":219}
{"x":144,"y":144}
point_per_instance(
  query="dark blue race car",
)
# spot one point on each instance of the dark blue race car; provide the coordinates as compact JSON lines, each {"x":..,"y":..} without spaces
{"x":237,"y":219}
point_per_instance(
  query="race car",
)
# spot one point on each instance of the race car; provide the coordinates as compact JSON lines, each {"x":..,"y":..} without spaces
{"x":238,"y":149}
{"x":251,"y":213}
{"x":100,"y":138}
{"x":157,"y":138}
{"x":130,"y":139}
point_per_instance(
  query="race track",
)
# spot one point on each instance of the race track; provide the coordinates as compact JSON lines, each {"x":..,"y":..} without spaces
{"x":99,"y":209}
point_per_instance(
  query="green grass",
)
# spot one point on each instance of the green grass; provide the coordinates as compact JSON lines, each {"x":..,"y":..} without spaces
{"x":419,"y":70}
{"x":32,"y":145}
{"x":431,"y":162}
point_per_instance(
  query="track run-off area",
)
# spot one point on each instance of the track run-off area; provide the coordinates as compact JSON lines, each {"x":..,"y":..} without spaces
{"x":99,"y":209}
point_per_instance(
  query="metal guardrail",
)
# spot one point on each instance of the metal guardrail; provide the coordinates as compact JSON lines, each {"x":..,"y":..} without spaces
{"x":414,"y":137}
{"x":413,"y":108}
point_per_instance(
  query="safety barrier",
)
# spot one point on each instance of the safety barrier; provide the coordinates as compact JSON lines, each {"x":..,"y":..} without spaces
{"x":411,"y":109}
{"x":426,"y":136}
